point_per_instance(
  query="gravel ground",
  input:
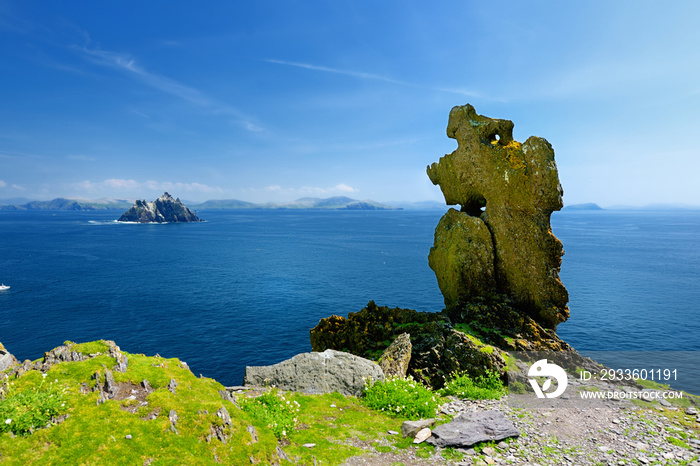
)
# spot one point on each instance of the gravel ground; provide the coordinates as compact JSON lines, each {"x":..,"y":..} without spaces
{"x":561,"y":433}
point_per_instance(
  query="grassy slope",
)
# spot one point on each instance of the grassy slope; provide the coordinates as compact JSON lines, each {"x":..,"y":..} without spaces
{"x":96,"y":434}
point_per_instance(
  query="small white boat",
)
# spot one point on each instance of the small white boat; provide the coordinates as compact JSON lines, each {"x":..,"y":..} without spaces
{"x":4,"y":287}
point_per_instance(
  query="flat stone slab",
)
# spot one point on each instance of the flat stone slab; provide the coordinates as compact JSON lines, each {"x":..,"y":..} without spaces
{"x":468,"y":429}
{"x":316,"y":373}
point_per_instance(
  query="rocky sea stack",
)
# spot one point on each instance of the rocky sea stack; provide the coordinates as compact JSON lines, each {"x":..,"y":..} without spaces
{"x":495,"y":259}
{"x":165,"y":209}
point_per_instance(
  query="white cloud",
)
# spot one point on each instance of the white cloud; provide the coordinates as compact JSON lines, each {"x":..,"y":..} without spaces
{"x":136,"y":188}
{"x":310,"y":190}
{"x":2,"y":184}
{"x":345,"y":188}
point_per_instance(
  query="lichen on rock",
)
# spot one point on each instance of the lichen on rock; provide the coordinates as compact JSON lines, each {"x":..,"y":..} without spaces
{"x":395,"y":359}
{"x":500,"y":242}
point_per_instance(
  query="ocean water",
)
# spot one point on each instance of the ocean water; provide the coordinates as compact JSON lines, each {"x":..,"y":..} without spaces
{"x":245,"y":287}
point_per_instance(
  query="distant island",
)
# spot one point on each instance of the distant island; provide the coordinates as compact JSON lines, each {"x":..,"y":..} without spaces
{"x":306,"y":203}
{"x":165,"y":209}
{"x":587,"y":206}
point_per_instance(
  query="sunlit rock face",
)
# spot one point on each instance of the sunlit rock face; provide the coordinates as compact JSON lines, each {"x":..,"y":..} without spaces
{"x":165,"y":209}
{"x":500,"y":241}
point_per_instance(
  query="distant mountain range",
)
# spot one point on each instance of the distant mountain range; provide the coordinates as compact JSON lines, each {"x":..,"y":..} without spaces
{"x":69,"y":204}
{"x":314,"y":203}
{"x":331,"y":203}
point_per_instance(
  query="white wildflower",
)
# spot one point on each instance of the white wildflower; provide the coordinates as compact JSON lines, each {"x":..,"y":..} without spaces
{"x":8,"y":421}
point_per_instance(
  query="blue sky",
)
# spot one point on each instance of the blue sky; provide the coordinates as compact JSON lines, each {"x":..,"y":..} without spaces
{"x":277,"y":100}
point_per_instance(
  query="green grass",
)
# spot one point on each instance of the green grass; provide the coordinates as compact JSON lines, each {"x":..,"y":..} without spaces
{"x":31,"y":406}
{"x":340,"y":426}
{"x":401,"y":397}
{"x":487,"y":387}
{"x":678,"y":443}
{"x":274,"y":410}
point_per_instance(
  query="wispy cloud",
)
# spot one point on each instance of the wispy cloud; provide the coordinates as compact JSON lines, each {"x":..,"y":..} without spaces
{"x":81,"y":158}
{"x":326,"y":69}
{"x":128,"y":65}
{"x":3,"y":184}
{"x":376,"y":77}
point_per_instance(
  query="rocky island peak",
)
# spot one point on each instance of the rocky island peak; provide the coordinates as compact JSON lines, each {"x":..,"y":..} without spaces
{"x":165,"y":209}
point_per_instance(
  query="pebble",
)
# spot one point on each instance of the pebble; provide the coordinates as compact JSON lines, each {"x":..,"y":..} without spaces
{"x":128,"y":436}
{"x":309,"y":445}
{"x":488,"y":451}
{"x":422,"y":435}
{"x":392,"y":432}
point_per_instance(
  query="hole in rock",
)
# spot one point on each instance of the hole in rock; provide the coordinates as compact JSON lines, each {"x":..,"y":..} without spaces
{"x":475,"y":206}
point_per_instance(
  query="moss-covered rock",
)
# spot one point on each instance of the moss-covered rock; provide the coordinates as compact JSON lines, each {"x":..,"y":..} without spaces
{"x":462,"y":257}
{"x":369,"y":332}
{"x":437,"y":348}
{"x":396,"y":358}
{"x":509,"y":190}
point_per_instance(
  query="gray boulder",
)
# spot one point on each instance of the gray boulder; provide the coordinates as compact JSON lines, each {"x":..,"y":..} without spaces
{"x":7,"y":360}
{"x":314,"y":373}
{"x":468,"y":429}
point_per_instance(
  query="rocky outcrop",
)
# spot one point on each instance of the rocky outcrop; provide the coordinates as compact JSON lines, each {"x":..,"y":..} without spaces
{"x":7,"y":360}
{"x":165,"y":209}
{"x":437,"y":348}
{"x":314,"y":373}
{"x":369,"y":332}
{"x":395,"y":359}
{"x":69,"y":353}
{"x":500,"y":241}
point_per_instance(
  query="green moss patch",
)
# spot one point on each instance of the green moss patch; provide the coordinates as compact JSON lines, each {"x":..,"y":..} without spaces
{"x":139,"y":429}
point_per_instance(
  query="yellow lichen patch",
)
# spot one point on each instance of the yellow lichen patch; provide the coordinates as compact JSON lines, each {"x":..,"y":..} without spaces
{"x":515,"y":159}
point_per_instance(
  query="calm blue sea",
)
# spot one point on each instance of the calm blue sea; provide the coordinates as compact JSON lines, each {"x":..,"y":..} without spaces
{"x":245,"y":287}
